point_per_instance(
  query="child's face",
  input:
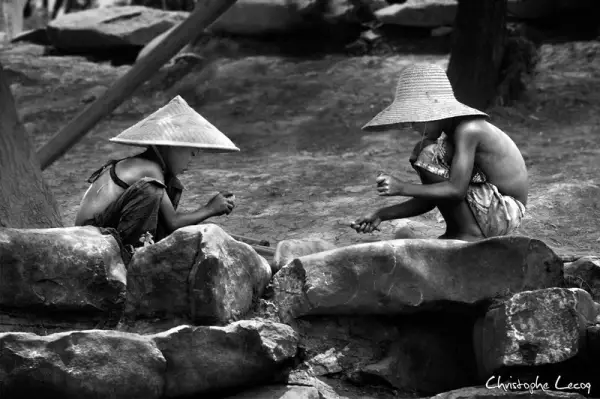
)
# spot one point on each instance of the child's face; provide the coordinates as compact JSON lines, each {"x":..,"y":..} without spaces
{"x":180,"y":158}
{"x":431,"y":130}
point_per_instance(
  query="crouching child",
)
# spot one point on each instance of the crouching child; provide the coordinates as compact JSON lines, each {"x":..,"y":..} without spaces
{"x":136,"y":198}
{"x":469,"y":169}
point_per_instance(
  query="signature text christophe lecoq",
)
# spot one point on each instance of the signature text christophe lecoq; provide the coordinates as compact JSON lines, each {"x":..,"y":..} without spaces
{"x":494,"y":382}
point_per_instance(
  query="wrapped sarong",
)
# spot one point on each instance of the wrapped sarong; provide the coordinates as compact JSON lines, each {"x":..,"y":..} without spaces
{"x":496,"y":214}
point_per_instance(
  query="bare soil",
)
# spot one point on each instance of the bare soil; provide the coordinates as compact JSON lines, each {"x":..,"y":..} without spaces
{"x":306,"y":169}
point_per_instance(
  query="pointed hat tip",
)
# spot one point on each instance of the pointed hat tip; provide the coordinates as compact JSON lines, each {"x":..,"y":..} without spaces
{"x":176,"y":124}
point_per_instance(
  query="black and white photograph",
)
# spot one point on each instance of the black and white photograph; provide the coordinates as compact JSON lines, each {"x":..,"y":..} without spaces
{"x":299,"y":199}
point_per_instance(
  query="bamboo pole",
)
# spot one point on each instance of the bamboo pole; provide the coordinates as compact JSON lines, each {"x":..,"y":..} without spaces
{"x":204,"y":14}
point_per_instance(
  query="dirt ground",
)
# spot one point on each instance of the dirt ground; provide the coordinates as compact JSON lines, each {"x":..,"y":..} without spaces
{"x":305,"y":169}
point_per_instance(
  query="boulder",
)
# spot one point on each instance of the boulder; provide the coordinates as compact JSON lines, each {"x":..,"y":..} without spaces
{"x":73,"y":273}
{"x":494,"y":391}
{"x":534,"y":328}
{"x":584,"y":273}
{"x":205,"y":360}
{"x":35,"y":36}
{"x":290,"y":249}
{"x":419,"y":13}
{"x":80,"y":364}
{"x":154,"y":43}
{"x":198,"y":272}
{"x":426,"y":353}
{"x":303,"y":375}
{"x":261,"y":17}
{"x":404,"y":276}
{"x":110,"y":27}
{"x":279,"y":392}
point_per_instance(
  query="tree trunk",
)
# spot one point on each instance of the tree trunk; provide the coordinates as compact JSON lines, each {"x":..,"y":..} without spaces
{"x":477,"y":51}
{"x":25,"y":200}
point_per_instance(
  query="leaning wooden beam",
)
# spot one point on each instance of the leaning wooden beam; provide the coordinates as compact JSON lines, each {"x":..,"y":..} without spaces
{"x":204,"y":14}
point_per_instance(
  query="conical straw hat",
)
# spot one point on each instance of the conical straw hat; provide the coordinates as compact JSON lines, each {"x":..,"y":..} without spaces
{"x":423,"y":94}
{"x":178,"y":125}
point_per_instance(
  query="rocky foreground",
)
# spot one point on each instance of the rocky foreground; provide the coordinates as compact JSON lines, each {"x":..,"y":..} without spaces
{"x":200,"y":314}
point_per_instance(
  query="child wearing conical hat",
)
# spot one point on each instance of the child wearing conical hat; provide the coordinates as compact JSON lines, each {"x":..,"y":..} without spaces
{"x":136,"y":198}
{"x":469,"y":169}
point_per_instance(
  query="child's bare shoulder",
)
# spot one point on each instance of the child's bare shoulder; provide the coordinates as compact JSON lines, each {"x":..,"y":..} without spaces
{"x":473,"y":127}
{"x":138,"y":168}
{"x":478,"y":131}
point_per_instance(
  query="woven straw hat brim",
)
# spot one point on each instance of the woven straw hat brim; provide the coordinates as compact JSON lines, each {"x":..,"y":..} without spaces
{"x":404,"y":112}
{"x":423,"y":94}
{"x":176,"y":125}
{"x":203,"y":147}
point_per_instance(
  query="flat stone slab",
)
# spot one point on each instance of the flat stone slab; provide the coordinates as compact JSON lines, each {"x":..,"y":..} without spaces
{"x":208,"y":360}
{"x":107,"y":364}
{"x":279,"y":392}
{"x":110,"y":27}
{"x":288,"y":250}
{"x":403,"y":276}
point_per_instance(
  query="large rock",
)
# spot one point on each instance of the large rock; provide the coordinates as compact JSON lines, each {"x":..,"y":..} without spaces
{"x":279,"y":392}
{"x":535,"y":328}
{"x":152,"y":44}
{"x":493,"y":391}
{"x":109,"y":364}
{"x":206,"y":360}
{"x":260,"y":17}
{"x":80,"y":364}
{"x":401,"y":276}
{"x":198,"y":272}
{"x":51,"y":274}
{"x":419,"y":13}
{"x":584,"y":273}
{"x":288,"y":250}
{"x":110,"y":27}
{"x":303,"y":375}
{"x":428,"y":353}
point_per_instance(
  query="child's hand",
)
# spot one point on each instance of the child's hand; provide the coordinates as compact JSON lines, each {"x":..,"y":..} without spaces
{"x":388,"y":185}
{"x":367,"y":223}
{"x":221,"y":204}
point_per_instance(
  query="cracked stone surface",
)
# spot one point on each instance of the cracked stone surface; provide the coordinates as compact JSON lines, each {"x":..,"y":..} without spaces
{"x":402,"y":276}
{"x":533,"y":328}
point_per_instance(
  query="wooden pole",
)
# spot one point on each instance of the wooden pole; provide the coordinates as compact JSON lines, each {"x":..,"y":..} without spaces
{"x":204,"y":14}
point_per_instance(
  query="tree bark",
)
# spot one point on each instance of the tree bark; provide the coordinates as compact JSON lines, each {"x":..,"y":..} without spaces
{"x":477,"y":50}
{"x":25,"y":200}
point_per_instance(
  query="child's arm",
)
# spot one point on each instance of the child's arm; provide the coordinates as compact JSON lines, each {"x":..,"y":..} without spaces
{"x":410,"y":208}
{"x":455,"y":188}
{"x":220,"y":204}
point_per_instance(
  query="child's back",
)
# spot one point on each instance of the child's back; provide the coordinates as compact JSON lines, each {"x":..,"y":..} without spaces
{"x":499,"y":158}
